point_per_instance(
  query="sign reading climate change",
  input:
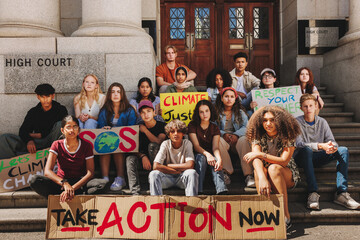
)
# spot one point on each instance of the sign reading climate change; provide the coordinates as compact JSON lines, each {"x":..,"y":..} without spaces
{"x":114,"y":140}
{"x":286,"y":97}
{"x":166,"y":217}
{"x":16,"y":172}
{"x":180,"y":105}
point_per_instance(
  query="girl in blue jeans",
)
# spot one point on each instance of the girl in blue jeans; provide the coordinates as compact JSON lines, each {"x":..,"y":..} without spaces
{"x":205,"y":137}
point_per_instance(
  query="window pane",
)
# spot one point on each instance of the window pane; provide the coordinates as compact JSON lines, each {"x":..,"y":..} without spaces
{"x":236,"y":23}
{"x":261,"y":23}
{"x":177,"y":23}
{"x":202,"y":23}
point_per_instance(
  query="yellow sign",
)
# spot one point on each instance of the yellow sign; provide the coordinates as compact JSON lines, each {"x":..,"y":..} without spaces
{"x":180,"y":105}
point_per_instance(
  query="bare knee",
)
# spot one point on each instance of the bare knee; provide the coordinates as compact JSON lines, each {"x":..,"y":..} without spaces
{"x":274,"y":171}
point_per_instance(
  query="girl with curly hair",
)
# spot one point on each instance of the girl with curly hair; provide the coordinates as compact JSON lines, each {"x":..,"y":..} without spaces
{"x":88,"y":102}
{"x":272,"y":132}
{"x":216,"y":80}
{"x":116,"y":112}
{"x":305,"y":78}
{"x":232,"y":121}
{"x":205,"y":137}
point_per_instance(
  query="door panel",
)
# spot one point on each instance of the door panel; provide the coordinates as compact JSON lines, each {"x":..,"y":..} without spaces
{"x":239,"y":26}
{"x":190,"y":28}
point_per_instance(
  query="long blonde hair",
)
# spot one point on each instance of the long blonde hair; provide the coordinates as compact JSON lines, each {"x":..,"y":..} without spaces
{"x":83,"y":97}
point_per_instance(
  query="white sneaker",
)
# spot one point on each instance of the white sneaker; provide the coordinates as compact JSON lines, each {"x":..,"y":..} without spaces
{"x":313,"y":201}
{"x":250,"y":181}
{"x":106,"y":179}
{"x":118,"y":184}
{"x":345,"y":200}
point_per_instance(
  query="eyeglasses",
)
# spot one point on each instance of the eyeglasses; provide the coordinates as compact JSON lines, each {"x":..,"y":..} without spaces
{"x":75,"y":127}
{"x":268,"y":77}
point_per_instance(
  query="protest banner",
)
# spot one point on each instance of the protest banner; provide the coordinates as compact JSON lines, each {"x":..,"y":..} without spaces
{"x":16,"y":172}
{"x":286,"y":97}
{"x":167,"y":217}
{"x":180,"y":105}
{"x":114,"y":140}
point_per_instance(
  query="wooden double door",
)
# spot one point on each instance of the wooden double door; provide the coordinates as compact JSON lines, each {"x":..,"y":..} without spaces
{"x":208,"y":34}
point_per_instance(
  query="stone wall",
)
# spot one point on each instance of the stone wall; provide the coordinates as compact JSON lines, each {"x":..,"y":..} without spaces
{"x":340,"y":74}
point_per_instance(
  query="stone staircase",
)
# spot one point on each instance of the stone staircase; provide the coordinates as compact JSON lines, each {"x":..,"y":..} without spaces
{"x":24,"y":210}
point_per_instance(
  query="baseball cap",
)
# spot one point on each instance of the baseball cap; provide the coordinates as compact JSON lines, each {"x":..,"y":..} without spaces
{"x":268,"y":70}
{"x":145,"y":103}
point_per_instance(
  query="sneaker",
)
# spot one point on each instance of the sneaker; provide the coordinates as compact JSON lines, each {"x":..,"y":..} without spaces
{"x":227,"y":179}
{"x":345,"y":200}
{"x":288,"y":223}
{"x":106,"y":179}
{"x":118,"y":184}
{"x":250,"y":181}
{"x":313,"y":201}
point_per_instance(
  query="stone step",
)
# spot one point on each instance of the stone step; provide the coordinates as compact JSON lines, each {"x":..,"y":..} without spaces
{"x":328,"y":98}
{"x":34,"y":219}
{"x":354,"y":154}
{"x":343,"y":128}
{"x":322,"y":90}
{"x":341,"y":117}
{"x":333,"y":108}
{"x":348,"y":140}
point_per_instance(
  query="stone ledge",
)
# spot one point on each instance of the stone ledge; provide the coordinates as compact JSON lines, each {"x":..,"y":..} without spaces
{"x":28,"y":45}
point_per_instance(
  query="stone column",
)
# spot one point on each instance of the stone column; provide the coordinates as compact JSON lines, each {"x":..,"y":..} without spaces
{"x":30,"y":18}
{"x":354,"y":23}
{"x":110,"y":18}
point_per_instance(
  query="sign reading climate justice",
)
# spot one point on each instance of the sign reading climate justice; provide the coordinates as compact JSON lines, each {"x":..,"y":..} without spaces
{"x":286,"y":97}
{"x":180,"y":105}
{"x":114,"y":140}
{"x":167,"y":217}
{"x":15,"y":173}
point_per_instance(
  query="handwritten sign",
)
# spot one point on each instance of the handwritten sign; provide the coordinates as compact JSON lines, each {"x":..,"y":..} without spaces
{"x":180,"y":105}
{"x":167,"y":217}
{"x":286,"y":97}
{"x":16,"y":173}
{"x":114,"y":140}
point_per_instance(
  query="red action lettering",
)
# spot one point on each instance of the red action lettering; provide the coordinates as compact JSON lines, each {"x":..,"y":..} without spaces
{"x":192,"y":219}
{"x":106,"y":224}
{"x":127,"y":139}
{"x":182,"y":232}
{"x":161,"y":207}
{"x":90,"y":134}
{"x":226,"y":224}
{"x":143,"y":207}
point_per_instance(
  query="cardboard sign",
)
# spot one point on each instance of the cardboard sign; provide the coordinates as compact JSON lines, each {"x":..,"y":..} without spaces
{"x":114,"y":140}
{"x":167,"y":217}
{"x":286,"y":97}
{"x":180,"y":105}
{"x":15,"y":173}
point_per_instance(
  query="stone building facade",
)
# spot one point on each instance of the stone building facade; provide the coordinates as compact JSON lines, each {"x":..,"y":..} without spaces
{"x":59,"y":41}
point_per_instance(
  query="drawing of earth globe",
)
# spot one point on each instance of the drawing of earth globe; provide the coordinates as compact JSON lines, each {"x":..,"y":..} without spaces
{"x":107,"y":142}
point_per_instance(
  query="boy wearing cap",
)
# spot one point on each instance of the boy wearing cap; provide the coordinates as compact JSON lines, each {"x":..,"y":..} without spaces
{"x":243,"y":81}
{"x":316,"y":147}
{"x":40,"y":128}
{"x":174,"y":164}
{"x":151,"y":135}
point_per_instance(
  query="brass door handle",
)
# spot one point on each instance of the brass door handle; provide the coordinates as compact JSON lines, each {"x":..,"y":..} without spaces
{"x":251,"y":41}
{"x":192,"y":41}
{"x":188,"y":41}
{"x":247,"y":40}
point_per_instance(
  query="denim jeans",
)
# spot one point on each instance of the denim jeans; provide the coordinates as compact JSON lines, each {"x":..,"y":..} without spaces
{"x":218,"y":177}
{"x":88,"y":124}
{"x":133,"y":163}
{"x":188,"y":180}
{"x":308,"y":160}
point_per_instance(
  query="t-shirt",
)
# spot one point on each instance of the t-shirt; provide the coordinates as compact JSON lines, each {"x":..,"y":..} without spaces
{"x":204,"y":136}
{"x":72,"y":164}
{"x":169,"y":155}
{"x":144,"y":140}
{"x":240,"y":86}
{"x":168,"y":74}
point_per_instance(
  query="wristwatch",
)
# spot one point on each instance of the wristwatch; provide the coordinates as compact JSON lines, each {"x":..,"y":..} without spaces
{"x":63,"y":182}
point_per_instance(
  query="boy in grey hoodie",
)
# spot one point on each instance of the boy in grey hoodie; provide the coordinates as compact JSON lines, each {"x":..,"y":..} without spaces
{"x":316,"y":147}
